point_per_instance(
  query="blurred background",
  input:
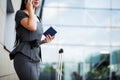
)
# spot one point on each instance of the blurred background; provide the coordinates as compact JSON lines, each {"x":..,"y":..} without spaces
{"x":88,"y":32}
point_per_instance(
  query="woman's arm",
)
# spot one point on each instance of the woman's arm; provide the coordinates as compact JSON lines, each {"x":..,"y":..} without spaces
{"x":30,"y":22}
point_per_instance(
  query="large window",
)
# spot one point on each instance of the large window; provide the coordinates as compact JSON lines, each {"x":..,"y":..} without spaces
{"x":87,"y":30}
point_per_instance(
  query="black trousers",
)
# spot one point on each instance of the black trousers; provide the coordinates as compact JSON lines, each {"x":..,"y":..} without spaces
{"x":26,"y":68}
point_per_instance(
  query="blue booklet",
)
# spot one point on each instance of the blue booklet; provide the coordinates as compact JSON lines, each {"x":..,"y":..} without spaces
{"x":50,"y":31}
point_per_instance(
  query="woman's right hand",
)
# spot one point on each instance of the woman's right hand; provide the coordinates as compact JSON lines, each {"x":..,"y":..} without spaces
{"x":29,"y":6}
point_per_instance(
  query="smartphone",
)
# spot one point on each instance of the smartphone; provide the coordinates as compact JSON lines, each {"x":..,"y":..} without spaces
{"x":26,"y":1}
{"x":50,"y":31}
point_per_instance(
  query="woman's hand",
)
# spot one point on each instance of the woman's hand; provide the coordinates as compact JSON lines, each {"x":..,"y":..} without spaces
{"x":48,"y":39}
{"x":29,"y":6}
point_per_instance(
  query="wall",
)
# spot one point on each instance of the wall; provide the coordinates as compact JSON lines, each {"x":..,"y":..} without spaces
{"x":7,"y":35}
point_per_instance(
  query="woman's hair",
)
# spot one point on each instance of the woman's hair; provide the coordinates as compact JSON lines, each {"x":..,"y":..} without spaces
{"x":22,"y":7}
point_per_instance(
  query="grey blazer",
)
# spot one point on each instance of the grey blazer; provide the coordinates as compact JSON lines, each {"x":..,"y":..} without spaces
{"x":26,"y":37}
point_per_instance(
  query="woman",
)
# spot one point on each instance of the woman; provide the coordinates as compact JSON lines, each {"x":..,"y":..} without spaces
{"x":27,"y":53}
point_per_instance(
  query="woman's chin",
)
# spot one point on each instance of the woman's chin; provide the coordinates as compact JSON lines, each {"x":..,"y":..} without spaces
{"x":36,"y":6}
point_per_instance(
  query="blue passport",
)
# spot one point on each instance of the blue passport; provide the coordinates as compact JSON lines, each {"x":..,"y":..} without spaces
{"x":50,"y":31}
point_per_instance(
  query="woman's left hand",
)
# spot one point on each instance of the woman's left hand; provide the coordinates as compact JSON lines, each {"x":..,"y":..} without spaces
{"x":48,"y":38}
